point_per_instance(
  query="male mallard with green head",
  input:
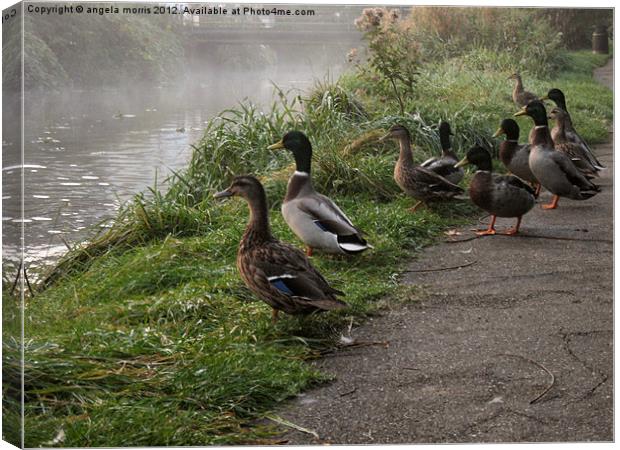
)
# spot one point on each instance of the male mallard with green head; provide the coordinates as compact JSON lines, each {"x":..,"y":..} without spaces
{"x":571,"y":134}
{"x":416,"y":181}
{"x":574,"y":151}
{"x":280,"y":274}
{"x":444,"y":165}
{"x":499,"y":195}
{"x":553,"y":169}
{"x":313,"y":217}
{"x":515,"y":156}
{"x":520,"y":96}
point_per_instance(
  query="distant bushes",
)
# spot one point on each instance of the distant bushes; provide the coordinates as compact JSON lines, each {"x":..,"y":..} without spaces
{"x":496,"y":38}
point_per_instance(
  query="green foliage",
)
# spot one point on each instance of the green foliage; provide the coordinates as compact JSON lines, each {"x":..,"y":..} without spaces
{"x":519,"y":36}
{"x":334,"y":97}
{"x":393,"y":52}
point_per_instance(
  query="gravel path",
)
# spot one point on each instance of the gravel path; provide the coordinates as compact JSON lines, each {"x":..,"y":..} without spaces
{"x":516,"y":346}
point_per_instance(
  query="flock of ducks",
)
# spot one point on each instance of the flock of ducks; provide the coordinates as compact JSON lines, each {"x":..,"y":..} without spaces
{"x":283,"y":276}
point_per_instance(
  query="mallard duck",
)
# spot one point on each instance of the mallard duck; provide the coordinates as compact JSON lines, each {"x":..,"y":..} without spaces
{"x":553,"y":169}
{"x":416,"y":181}
{"x":575,"y":152}
{"x":313,"y":217}
{"x":571,"y":134}
{"x":444,"y":166}
{"x":520,"y":96}
{"x":499,"y":195}
{"x":515,"y":156}
{"x":280,"y":274}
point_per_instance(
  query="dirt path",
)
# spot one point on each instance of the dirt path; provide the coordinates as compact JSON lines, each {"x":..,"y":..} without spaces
{"x":470,"y":360}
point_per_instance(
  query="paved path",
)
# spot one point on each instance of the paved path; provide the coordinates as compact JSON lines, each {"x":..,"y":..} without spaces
{"x":469,"y":360}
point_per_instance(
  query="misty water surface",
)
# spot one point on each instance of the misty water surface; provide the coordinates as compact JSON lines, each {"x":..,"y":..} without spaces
{"x":86,"y":152}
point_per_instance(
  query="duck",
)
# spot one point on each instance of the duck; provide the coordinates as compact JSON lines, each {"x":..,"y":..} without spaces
{"x":575,"y":152}
{"x":499,"y":195}
{"x":554,"y":170}
{"x":418,"y":182}
{"x":520,"y":96}
{"x":557,"y":96}
{"x":313,"y":217}
{"x":515,"y":156}
{"x":278,"y":273}
{"x":444,"y":165}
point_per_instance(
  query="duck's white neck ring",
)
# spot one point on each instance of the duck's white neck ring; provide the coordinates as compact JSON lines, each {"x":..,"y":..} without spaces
{"x":299,"y":173}
{"x":537,"y":127}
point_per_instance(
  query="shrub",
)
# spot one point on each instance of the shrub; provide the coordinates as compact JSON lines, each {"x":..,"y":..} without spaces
{"x":393,"y":52}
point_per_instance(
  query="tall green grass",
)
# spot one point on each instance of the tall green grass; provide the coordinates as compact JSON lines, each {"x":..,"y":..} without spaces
{"x":147,"y":336}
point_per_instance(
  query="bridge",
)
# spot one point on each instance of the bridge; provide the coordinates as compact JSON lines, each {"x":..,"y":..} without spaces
{"x":269,"y":33}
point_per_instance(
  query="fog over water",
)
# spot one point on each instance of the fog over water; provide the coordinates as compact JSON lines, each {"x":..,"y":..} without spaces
{"x":88,"y":151}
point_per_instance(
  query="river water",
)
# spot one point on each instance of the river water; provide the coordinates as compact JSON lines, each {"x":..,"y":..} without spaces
{"x":88,"y":151}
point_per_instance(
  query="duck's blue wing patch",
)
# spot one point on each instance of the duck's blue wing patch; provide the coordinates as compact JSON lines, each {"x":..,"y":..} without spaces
{"x":280,"y":285}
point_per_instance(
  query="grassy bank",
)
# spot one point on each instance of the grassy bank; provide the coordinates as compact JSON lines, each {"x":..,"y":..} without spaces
{"x":147,"y":336}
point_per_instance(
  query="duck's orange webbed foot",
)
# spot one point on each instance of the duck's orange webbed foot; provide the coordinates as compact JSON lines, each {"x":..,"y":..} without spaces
{"x":513,"y":231}
{"x":553,"y":204}
{"x":489,"y":231}
{"x":415,"y":207}
{"x":309,"y":251}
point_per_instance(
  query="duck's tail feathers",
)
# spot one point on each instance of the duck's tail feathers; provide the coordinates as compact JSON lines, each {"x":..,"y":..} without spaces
{"x":594,"y":161}
{"x":329,"y":304}
{"x":353,"y":243}
{"x":586,"y":195}
{"x":589,"y":192}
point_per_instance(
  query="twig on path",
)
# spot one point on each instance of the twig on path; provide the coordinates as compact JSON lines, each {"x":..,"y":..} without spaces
{"x":366,"y":344}
{"x":441,"y":268}
{"x":344,"y":394}
{"x":354,"y":344}
{"x":531,"y":236}
{"x":525,"y":358}
{"x":456,"y":241}
{"x":289,"y":424}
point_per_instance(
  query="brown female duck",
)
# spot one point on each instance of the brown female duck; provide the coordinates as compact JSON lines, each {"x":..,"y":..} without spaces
{"x":280,"y":274}
{"x":553,"y":169}
{"x":520,"y":96}
{"x":416,"y":181}
{"x":575,"y":152}
{"x":499,"y":195}
{"x":558,"y":98}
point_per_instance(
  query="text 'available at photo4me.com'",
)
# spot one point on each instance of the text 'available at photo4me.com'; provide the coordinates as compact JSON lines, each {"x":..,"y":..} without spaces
{"x":193,"y":9}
